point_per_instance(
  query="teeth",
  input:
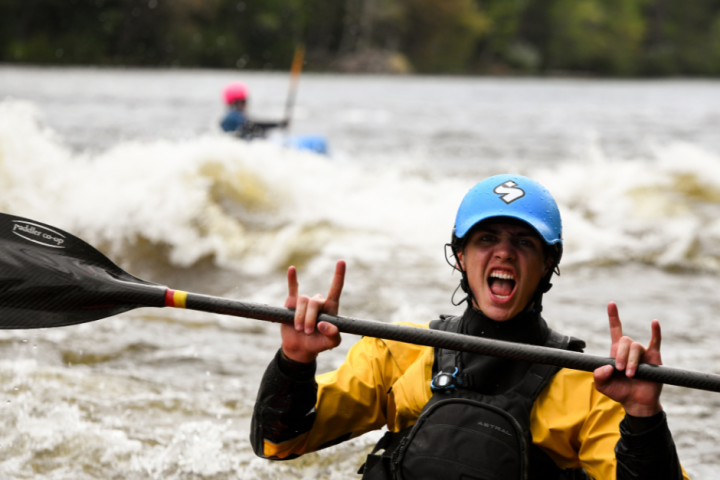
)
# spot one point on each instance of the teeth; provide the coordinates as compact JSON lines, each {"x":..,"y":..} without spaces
{"x":502,"y":275}
{"x":502,"y":296}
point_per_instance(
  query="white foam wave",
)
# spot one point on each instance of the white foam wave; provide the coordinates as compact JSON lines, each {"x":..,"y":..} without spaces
{"x":662,"y":211}
{"x":75,"y":423}
{"x":257,"y":206}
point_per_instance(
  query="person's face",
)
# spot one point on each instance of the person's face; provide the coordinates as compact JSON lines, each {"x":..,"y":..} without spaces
{"x":504,"y":263}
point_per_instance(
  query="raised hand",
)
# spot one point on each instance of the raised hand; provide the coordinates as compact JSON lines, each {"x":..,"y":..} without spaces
{"x":302,"y":342}
{"x":639,"y":398}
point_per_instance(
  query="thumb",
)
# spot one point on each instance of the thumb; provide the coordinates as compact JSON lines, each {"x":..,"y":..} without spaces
{"x":328,"y":329}
{"x":602,"y":375}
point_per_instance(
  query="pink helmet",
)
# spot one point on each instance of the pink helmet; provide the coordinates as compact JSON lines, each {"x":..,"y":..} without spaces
{"x":234,"y":92}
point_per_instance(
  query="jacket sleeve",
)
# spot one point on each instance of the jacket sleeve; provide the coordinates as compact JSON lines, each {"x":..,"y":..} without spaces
{"x":285,"y":408}
{"x":650,"y":453}
{"x":294,"y":415}
{"x":578,"y":427}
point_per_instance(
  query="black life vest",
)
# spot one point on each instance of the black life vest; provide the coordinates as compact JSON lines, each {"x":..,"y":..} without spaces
{"x":462,"y":434}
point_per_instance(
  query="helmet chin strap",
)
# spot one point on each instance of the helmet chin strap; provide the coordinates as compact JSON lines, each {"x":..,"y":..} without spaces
{"x":543,"y":287}
{"x":465,"y":286}
{"x":455,"y":246}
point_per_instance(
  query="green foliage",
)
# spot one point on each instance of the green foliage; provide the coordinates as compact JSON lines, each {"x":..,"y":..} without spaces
{"x":601,"y":37}
{"x":503,"y":44}
{"x":210,"y":33}
{"x":443,"y":34}
{"x":684,"y":38}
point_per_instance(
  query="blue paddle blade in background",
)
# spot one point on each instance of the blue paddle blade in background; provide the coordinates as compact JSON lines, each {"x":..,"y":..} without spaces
{"x":312,"y":143}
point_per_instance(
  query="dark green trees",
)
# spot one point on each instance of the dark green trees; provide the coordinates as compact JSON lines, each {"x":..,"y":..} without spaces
{"x":600,"y":37}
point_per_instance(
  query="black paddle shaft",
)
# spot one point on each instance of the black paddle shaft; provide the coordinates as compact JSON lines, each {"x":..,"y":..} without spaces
{"x":50,"y":278}
{"x":454,"y":341}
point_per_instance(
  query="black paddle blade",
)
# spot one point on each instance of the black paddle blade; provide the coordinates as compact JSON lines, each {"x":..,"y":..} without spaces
{"x":50,"y":278}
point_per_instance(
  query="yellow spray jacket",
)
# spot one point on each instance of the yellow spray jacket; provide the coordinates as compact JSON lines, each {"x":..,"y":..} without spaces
{"x":384,"y":382}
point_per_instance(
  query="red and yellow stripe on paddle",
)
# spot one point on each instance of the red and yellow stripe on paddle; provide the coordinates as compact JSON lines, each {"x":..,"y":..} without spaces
{"x":175,"y":298}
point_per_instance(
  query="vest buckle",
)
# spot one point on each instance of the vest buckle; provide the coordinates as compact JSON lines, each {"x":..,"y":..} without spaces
{"x":444,"y":381}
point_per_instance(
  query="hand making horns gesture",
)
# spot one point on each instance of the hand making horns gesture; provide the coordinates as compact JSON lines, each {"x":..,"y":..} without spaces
{"x":639,"y":398}
{"x":302,"y":342}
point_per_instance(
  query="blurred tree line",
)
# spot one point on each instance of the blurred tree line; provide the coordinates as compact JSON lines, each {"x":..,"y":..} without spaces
{"x":600,"y":37}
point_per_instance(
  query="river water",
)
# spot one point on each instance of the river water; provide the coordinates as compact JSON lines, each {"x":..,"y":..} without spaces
{"x":133,"y":162}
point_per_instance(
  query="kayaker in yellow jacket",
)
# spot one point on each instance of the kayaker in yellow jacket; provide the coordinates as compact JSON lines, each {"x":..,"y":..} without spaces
{"x":460,"y":415}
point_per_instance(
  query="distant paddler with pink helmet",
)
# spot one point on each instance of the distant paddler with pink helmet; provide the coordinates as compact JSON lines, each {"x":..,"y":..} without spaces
{"x":236,"y":120}
{"x":236,"y":96}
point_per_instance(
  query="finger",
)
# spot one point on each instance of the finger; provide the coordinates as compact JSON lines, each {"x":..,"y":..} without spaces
{"x":636,"y":353}
{"x":291,"y":300}
{"x":656,"y":338}
{"x":328,"y":329}
{"x":330,"y":333}
{"x":652,"y":354}
{"x":623,"y":349}
{"x":602,"y":375}
{"x":615,"y":324}
{"x":336,"y":285}
{"x":300,"y":309}
{"x":314,"y":306}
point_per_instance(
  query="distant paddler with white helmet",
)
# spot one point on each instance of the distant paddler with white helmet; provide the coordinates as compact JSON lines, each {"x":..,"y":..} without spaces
{"x":453,"y":414}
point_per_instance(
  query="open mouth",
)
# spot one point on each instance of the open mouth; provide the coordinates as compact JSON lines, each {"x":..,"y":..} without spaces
{"x":501,"y":283}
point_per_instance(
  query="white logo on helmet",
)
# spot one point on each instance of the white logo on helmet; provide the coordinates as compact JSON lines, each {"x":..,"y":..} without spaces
{"x":509,"y":192}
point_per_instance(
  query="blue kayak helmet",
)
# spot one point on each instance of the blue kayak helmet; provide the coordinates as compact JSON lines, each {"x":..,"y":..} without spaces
{"x":515,"y":197}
